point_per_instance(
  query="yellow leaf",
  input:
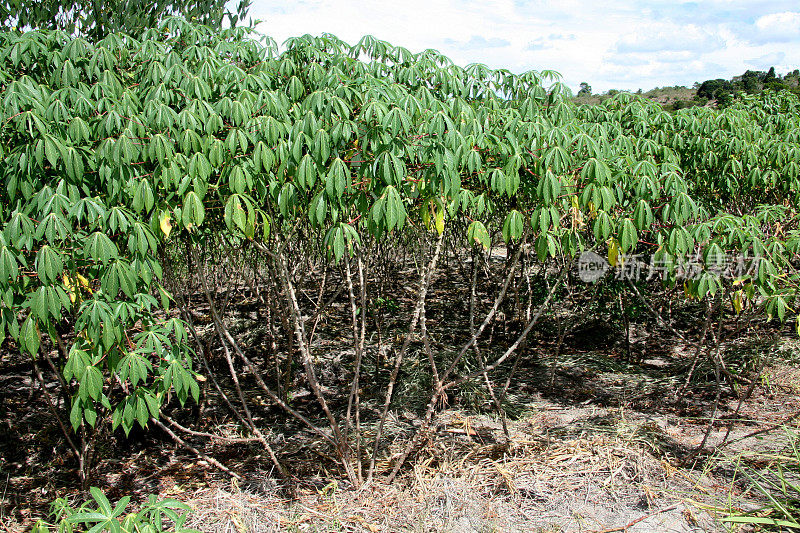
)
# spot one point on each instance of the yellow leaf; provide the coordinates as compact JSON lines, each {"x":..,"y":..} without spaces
{"x":577,"y":215}
{"x":440,"y":221}
{"x":737,"y":302}
{"x":613,"y":252}
{"x":166,"y":224}
{"x":84,"y":283}
{"x":70,"y":287}
{"x":797,"y":324}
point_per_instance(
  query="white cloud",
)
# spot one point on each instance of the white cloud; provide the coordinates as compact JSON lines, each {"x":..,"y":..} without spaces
{"x":539,"y":44}
{"x":777,"y":27}
{"x":476,"y":42}
{"x":628,"y":60}
{"x":670,"y":37}
{"x":614,"y":44}
{"x":767,"y":60}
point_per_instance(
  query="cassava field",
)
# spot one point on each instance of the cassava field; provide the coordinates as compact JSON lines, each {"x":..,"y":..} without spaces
{"x":356,"y":288}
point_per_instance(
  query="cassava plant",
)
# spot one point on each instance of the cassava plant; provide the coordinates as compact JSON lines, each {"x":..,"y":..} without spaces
{"x":317,"y":174}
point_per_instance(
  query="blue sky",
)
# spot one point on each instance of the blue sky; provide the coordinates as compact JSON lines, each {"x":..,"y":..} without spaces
{"x":609,"y":44}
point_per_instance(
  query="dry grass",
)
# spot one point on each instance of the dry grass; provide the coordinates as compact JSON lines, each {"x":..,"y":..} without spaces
{"x":606,"y":476}
{"x":598,"y":452}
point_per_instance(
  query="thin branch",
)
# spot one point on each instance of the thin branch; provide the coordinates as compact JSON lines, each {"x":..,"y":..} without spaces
{"x":425,"y":280}
{"x":195,"y":451}
{"x":432,"y":403}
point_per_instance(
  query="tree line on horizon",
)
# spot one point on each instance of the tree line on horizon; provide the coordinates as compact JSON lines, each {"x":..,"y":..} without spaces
{"x":722,"y":92}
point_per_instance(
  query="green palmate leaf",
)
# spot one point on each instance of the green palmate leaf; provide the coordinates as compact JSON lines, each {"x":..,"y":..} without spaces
{"x":90,"y":415}
{"x":549,"y":187}
{"x":706,"y":284}
{"x":680,"y":242}
{"x":306,"y":175}
{"x":776,"y":307}
{"x":394,"y":210}
{"x":266,"y":225}
{"x":714,"y":256}
{"x":512,"y":182}
{"x":513,"y":226}
{"x":73,"y":163}
{"x":91,"y":383}
{"x":76,"y":414}
{"x":143,"y":198}
{"x":100,"y":248}
{"x":237,"y":212}
{"x":153,"y":404}
{"x":52,"y":149}
{"x":104,"y":506}
{"x":119,"y":276}
{"x":48,"y":301}
{"x":477,"y":234}
{"x":558,"y":159}
{"x":602,"y":226}
{"x":54,"y":226}
{"x":596,"y":170}
{"x":77,"y":363}
{"x":239,"y":179}
{"x":321,"y":146}
{"x":546,"y":244}
{"x":627,"y":235}
{"x":643,"y":215}
{"x":339,"y":240}
{"x":200,"y":166}
{"x":391,"y":169}
{"x":122,"y":504}
{"x":545,"y":217}
{"x":29,"y":336}
{"x":474,"y":165}
{"x":142,"y":414}
{"x":142,"y":239}
{"x":287,"y":199}
{"x":337,"y":179}
{"x":317,"y":209}
{"x":49,"y":264}
{"x":604,"y":198}
{"x":498,"y":181}
{"x":263,"y":157}
{"x":193,"y":212}
{"x":9,"y":269}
